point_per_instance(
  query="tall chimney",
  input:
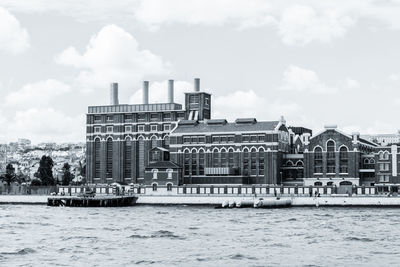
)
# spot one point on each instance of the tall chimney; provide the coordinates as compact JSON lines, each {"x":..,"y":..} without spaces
{"x":171,"y":91}
{"x":197,"y":84}
{"x":114,"y":94}
{"x":145,"y":92}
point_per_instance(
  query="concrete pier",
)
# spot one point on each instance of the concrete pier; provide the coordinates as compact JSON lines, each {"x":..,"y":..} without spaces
{"x":103,"y":201}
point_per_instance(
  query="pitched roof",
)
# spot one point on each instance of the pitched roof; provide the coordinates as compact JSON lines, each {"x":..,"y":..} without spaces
{"x":204,"y":127}
{"x":163,"y":164}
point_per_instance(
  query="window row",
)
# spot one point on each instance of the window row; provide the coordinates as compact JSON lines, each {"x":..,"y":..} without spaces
{"x":130,"y":128}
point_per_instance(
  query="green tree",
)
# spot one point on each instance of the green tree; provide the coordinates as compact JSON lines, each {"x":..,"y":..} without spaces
{"x":9,"y":176}
{"x":67,"y":175}
{"x":45,"y":171}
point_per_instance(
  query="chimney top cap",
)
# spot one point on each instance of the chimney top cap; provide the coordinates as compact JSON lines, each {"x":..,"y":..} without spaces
{"x":330,"y":126}
{"x":355,"y":133}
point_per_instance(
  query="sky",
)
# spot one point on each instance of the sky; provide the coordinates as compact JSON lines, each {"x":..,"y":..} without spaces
{"x":314,"y":62}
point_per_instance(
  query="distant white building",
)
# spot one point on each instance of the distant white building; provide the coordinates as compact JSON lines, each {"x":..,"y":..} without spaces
{"x":383,"y":139}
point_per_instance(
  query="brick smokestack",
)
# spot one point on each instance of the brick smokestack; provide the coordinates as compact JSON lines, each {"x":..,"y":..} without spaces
{"x":145,"y":92}
{"x":197,"y":84}
{"x":114,"y":94}
{"x":170,"y":91}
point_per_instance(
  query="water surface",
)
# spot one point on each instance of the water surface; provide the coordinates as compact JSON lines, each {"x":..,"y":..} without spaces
{"x":201,"y":236}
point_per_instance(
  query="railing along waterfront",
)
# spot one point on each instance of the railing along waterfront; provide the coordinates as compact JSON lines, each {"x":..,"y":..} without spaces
{"x":243,"y":190}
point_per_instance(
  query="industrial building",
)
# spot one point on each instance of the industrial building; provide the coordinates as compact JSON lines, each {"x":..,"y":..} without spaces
{"x":168,"y":144}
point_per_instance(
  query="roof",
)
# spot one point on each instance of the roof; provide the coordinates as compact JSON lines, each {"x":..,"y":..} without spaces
{"x":203,"y":127}
{"x":163,"y":164}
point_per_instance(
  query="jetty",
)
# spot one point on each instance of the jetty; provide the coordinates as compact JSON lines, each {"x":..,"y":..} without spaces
{"x":97,"y":201}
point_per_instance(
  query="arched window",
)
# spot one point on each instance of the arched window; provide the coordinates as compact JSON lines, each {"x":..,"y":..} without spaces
{"x":343,"y":160}
{"x":127,"y":158}
{"x":109,"y":158}
{"x":224,"y":160}
{"x":201,"y":162}
{"x":253,"y":164}
{"x":366,"y":161}
{"x":186,"y":162}
{"x":329,"y":183}
{"x":194,"y":162}
{"x":299,"y":163}
{"x":153,"y":142}
{"x":231,"y":158}
{"x":141,"y":157}
{"x":386,"y":155}
{"x":169,"y":187}
{"x":318,"y":183}
{"x":345,"y":183}
{"x":318,"y":160}
{"x":166,"y":142}
{"x":97,"y":160}
{"x":246,"y":157}
{"x":261,"y":160}
{"x":215,"y":158}
{"x":154,"y":185}
{"x":289,"y":163}
{"x":372,"y":161}
{"x":381,"y":156}
{"x":330,"y":157}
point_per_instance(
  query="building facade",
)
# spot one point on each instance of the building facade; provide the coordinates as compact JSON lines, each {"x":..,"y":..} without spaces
{"x":167,"y":144}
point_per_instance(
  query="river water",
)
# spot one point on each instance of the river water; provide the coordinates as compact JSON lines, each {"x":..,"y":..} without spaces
{"x":198,"y":236}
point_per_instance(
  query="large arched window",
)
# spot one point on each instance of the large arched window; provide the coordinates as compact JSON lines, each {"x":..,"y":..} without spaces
{"x":153,"y":142}
{"x":246,"y":157}
{"x":186,"y":162}
{"x":231,"y":158}
{"x":127,"y":158}
{"x":97,"y":161}
{"x":201,"y":162}
{"x":253,"y":164}
{"x":141,"y":157}
{"x":194,"y":162}
{"x":166,"y":141}
{"x":109,"y":158}
{"x":343,"y":160}
{"x":215,"y":158}
{"x":224,"y":159}
{"x":330,"y":157}
{"x":318,"y":160}
{"x":261,"y":160}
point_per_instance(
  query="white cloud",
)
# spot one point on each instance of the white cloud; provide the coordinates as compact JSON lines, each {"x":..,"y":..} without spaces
{"x":304,"y":80}
{"x":45,"y":124}
{"x":240,"y":104}
{"x":352,"y":84}
{"x":394,"y":77}
{"x":112,"y":55}
{"x":13,"y":37}
{"x":158,"y":92}
{"x":37,"y":94}
{"x":302,"y":25}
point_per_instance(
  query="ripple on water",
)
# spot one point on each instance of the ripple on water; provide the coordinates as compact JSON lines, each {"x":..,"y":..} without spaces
{"x":23,"y":251}
{"x":360,"y":239}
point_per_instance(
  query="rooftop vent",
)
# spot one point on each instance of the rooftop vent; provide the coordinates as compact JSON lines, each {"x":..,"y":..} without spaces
{"x":188,"y":122}
{"x":331,"y":127}
{"x":246,"y":121}
{"x":217,"y":122}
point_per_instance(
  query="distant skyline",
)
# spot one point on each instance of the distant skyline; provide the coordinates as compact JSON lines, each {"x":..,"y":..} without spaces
{"x":314,"y":62}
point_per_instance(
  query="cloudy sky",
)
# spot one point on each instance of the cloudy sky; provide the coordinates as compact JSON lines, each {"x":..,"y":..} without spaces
{"x":315,"y":62}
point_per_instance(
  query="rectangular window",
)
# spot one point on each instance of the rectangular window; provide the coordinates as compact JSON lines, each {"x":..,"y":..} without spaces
{"x":110,"y":117}
{"x":154,"y":117}
{"x":128,"y":117}
{"x":128,"y":128}
{"x":167,"y":116}
{"x":141,"y":117}
{"x":97,"y":129}
{"x":140,"y":128}
{"x":195,"y":139}
{"x":153,"y":128}
{"x":167,"y":127}
{"x":181,"y":116}
{"x":224,"y":139}
{"x":231,"y":139}
{"x":245,"y":138}
{"x":97,"y":118}
{"x":202,"y":139}
{"x":109,"y":129}
{"x":186,"y":139}
{"x":194,"y":99}
{"x":215,"y":139}
{"x":253,"y":139}
{"x":207,"y":102}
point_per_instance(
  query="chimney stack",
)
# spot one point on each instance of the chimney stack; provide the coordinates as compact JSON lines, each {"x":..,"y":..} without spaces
{"x":114,"y":94}
{"x":197,"y":84}
{"x":171,"y":91}
{"x":145,"y":92}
